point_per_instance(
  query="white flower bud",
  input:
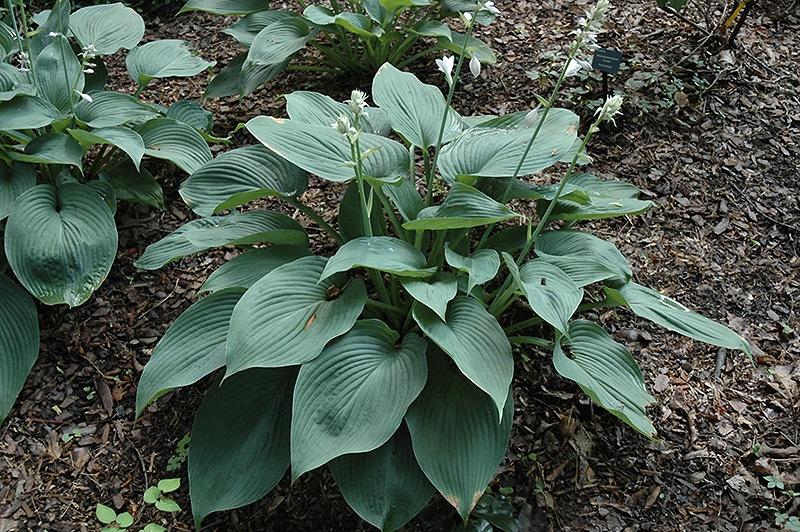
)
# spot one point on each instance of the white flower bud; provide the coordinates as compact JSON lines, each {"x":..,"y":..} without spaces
{"x":84,"y":97}
{"x":610,"y":109}
{"x":357,"y":101}
{"x":446,"y":65}
{"x":342,"y":125}
{"x":475,"y":66}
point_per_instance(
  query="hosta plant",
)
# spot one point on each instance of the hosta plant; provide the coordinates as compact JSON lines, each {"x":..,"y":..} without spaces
{"x":69,"y":150}
{"x":391,"y":361}
{"x":347,"y":36}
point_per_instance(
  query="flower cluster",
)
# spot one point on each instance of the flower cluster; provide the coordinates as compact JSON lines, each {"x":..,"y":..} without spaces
{"x":88,"y":53}
{"x":586,"y":35}
{"x":611,"y":108}
{"x":24,"y":62}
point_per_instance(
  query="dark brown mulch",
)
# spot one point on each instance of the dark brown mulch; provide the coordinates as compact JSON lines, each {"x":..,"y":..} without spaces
{"x":711,"y":136}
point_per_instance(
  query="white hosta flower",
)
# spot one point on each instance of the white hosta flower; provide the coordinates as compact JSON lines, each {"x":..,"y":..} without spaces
{"x":610,"y":109}
{"x":24,"y":62}
{"x":466,"y":18}
{"x":89,"y":52}
{"x":54,"y":34}
{"x":446,"y":65}
{"x":475,"y":66}
{"x":342,"y":125}
{"x":490,"y":7}
{"x":357,"y":102}
{"x":85,"y":97}
{"x":590,"y":25}
{"x":575,"y":67}
{"x":532,"y":118}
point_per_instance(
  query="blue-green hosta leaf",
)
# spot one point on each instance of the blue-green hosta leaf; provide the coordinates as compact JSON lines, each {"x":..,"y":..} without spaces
{"x":481,"y":267}
{"x":14,"y":82}
{"x":277,"y":42}
{"x":165,"y":138}
{"x":476,"y":342}
{"x":240,"y":441}
{"x":246,"y":28}
{"x":606,"y":199}
{"x":132,"y":185}
{"x":433,"y":28}
{"x":382,"y":253}
{"x":240,"y":176}
{"x":457,"y":439}
{"x":227,"y":82}
{"x":550,"y":292}
{"x":235,"y":229}
{"x":253,"y":75}
{"x":52,"y":24}
{"x":244,"y":270}
{"x":508,"y":121}
{"x":325,"y":152}
{"x":123,"y":138}
{"x":26,"y":112}
{"x":385,"y":487}
{"x":353,"y":22}
{"x":191,"y":113}
{"x":108,"y":27}
{"x":463,"y":207}
{"x":61,"y":242}
{"x":108,"y":109}
{"x":406,"y":198}
{"x":225,"y":7}
{"x":52,"y":148}
{"x":606,"y":372}
{"x":58,"y":72}
{"x":192,"y":347}
{"x":351,"y":224}
{"x":414,"y":108}
{"x":519,"y":189}
{"x":353,"y":396}
{"x":105,"y":191}
{"x":490,"y":152}
{"x":8,"y":41}
{"x":169,"y":58}
{"x":650,"y":305}
{"x":435,"y":292}
{"x":14,"y":180}
{"x":475,"y":47}
{"x":288,"y":316}
{"x":584,"y":257}
{"x":321,"y":110}
{"x":19,"y":341}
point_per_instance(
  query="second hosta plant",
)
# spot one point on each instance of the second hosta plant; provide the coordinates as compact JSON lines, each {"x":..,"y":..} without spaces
{"x":391,"y":361}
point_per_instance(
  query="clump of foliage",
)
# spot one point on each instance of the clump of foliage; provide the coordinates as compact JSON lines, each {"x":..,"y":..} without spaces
{"x":355,"y":36}
{"x":154,"y":495}
{"x":391,"y":362}
{"x":69,"y":151}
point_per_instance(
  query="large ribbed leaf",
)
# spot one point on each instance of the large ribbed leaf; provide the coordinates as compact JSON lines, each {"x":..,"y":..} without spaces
{"x":192,"y":347}
{"x":26,"y":112}
{"x":489,"y":152}
{"x":167,"y":58}
{"x":606,"y":199}
{"x":19,"y":341}
{"x":240,"y":441}
{"x":52,"y":148}
{"x":325,"y":152}
{"x":382,"y":253}
{"x":414,"y":108}
{"x":132,"y":185}
{"x":457,"y":439}
{"x":481,"y":266}
{"x":272,"y":48}
{"x":351,"y":223}
{"x":112,"y":109}
{"x":288,"y":316}
{"x":241,"y":176}
{"x":165,"y":138}
{"x":476,"y":342}
{"x":191,"y":113}
{"x":250,"y":227}
{"x":14,"y":180}
{"x":435,"y":292}
{"x":246,"y":28}
{"x":244,"y":270}
{"x":123,"y":138}
{"x":463,"y":207}
{"x":61,"y":242}
{"x":353,"y":396}
{"x":584,"y":257}
{"x":225,"y":7}
{"x":385,"y":487}
{"x":649,"y":304}
{"x":607,"y":372}
{"x":406,"y":198}
{"x":58,"y":73}
{"x":550,"y":292}
{"x":356,"y":23}
{"x":108,"y":27}
{"x":321,"y":110}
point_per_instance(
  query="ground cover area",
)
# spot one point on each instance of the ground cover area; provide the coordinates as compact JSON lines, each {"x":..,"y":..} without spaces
{"x":711,"y":135}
